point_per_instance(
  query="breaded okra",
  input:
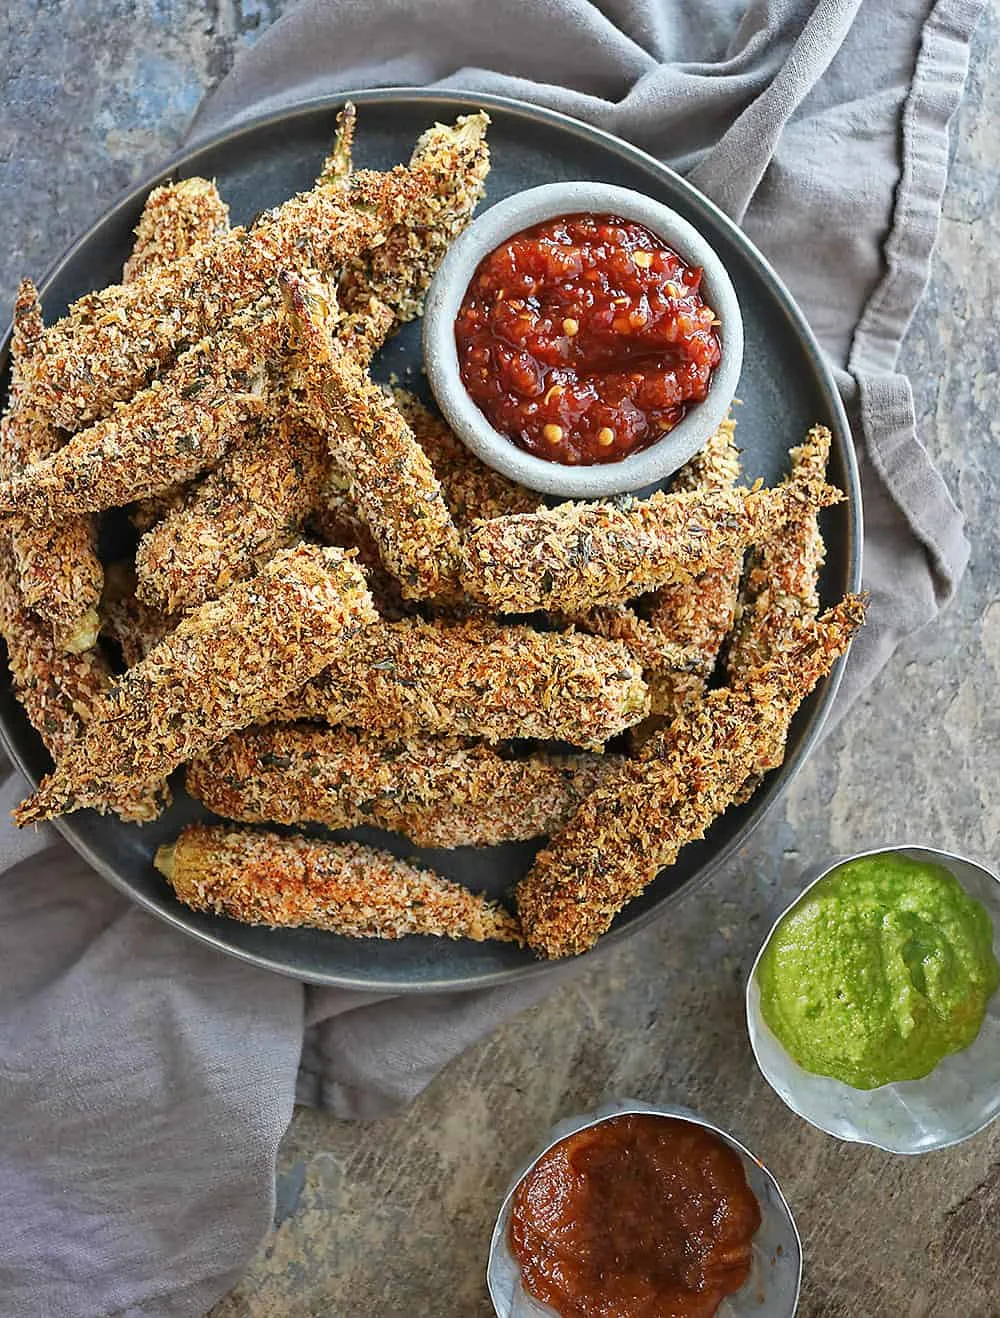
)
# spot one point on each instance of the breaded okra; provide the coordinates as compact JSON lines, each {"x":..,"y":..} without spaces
{"x":471,"y":489}
{"x":339,"y":163}
{"x":57,"y":565}
{"x":170,"y":431}
{"x":175,"y":219}
{"x":437,"y":791}
{"x":698,"y":611}
{"x":781,"y":586}
{"x":782,"y":582}
{"x":636,"y":822}
{"x":577,"y":555}
{"x":391,"y":479}
{"x":112,"y":342}
{"x":398,"y":272}
{"x":345,"y":888}
{"x":477,"y":679}
{"x":224,"y":667}
{"x":239,"y":516}
{"x":60,"y":692}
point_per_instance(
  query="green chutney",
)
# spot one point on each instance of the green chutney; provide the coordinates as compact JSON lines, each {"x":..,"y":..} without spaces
{"x":882,"y":970}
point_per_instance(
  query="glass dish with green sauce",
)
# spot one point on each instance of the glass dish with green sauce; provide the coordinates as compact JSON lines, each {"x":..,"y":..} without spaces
{"x":873,"y":1007}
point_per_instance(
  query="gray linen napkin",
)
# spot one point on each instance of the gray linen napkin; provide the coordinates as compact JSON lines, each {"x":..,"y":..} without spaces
{"x":145,"y":1081}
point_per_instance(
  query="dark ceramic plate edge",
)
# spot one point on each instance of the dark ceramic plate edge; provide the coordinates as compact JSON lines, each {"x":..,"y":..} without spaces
{"x":823,"y":700}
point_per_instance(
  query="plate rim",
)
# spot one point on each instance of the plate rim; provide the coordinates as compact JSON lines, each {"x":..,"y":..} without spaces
{"x":465,"y":100}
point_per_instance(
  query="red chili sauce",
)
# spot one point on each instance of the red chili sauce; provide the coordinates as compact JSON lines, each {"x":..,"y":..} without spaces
{"x":638,"y":1217}
{"x":585,"y":339}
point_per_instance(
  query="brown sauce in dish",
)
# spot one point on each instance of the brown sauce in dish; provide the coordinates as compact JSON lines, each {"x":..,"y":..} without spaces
{"x":637,"y":1217}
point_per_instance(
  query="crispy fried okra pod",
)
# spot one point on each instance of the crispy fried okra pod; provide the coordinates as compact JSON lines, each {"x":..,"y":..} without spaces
{"x":58,"y":569}
{"x":654,"y":652}
{"x":437,"y":791}
{"x":224,"y":667}
{"x":636,"y":822}
{"x":782,"y":582}
{"x":577,"y":555}
{"x":60,"y":577}
{"x":345,"y":888}
{"x":243,"y":512}
{"x":339,"y":163}
{"x":112,"y":342}
{"x":477,"y":679}
{"x":59,"y":691}
{"x":456,"y":160}
{"x":391,"y":479}
{"x":169,"y":432}
{"x":175,"y":219}
{"x":781,"y":586}
{"x":698,"y":611}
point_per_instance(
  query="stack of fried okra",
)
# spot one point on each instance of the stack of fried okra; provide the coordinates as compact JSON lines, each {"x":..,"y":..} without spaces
{"x":337,"y":615}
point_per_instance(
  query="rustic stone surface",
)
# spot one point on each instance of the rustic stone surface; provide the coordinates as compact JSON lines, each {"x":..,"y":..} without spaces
{"x":393,"y":1218}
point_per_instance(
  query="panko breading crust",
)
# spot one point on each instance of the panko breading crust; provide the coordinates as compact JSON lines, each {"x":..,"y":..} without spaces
{"x":61,"y":692}
{"x":175,"y":219}
{"x":698,"y":611}
{"x":59,"y":572}
{"x":437,"y":791}
{"x":224,"y":667}
{"x":476,"y":679}
{"x":636,"y":822}
{"x":169,"y":432}
{"x":392,"y":482}
{"x":577,"y":555}
{"x":242,"y":513}
{"x":344,"y":887}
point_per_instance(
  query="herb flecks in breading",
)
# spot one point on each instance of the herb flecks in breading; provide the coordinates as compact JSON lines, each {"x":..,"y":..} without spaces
{"x":225,"y":666}
{"x":345,"y":888}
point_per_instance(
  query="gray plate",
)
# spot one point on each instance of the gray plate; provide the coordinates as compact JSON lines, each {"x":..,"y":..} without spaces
{"x":785,"y":387}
